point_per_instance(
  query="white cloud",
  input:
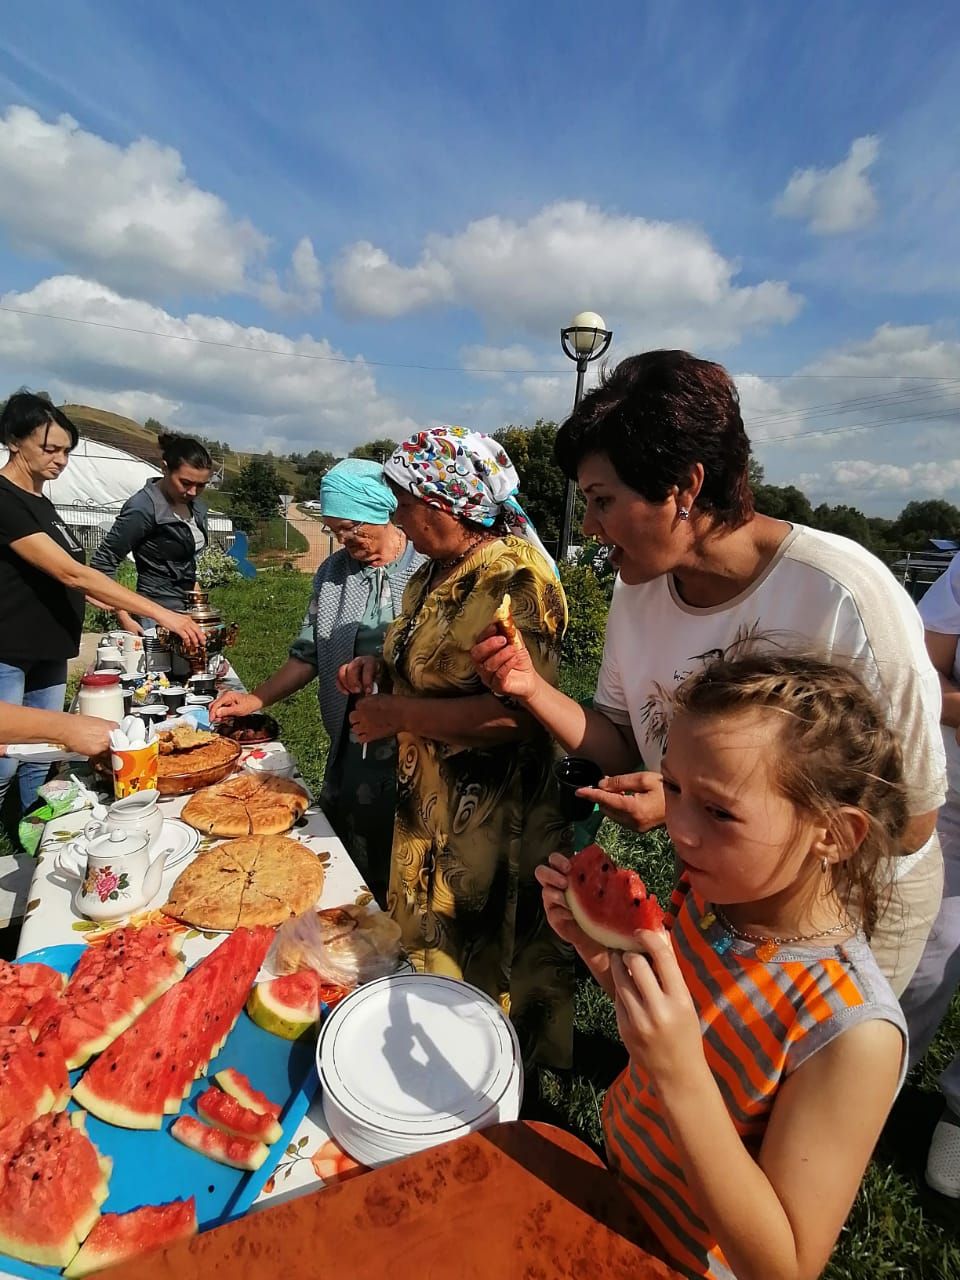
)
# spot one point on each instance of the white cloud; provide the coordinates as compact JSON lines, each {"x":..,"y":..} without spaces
{"x":655,"y":282}
{"x":369,"y":284}
{"x":130,"y":216}
{"x":862,"y":476}
{"x":306,"y":396}
{"x":837,"y":199}
{"x":495,"y":363}
{"x":302,"y":289}
{"x":903,"y":375}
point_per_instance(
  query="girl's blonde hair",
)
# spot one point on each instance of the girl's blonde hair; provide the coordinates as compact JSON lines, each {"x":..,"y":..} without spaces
{"x":837,"y":750}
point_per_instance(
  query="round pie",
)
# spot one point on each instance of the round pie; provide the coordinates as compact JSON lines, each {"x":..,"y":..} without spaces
{"x":255,"y":805}
{"x":260,"y":880}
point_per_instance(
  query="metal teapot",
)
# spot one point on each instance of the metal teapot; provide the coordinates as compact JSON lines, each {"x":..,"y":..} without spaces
{"x":217,"y":634}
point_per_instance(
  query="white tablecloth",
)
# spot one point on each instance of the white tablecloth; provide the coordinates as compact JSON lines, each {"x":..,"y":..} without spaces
{"x":52,"y":918}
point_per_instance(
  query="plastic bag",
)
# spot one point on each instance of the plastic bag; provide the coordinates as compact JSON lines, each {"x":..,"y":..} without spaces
{"x":345,"y":945}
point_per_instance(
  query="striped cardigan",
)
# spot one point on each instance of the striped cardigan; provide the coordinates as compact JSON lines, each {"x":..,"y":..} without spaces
{"x":760,"y":1020}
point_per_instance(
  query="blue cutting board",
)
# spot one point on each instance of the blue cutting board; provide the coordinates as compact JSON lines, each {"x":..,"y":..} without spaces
{"x":151,"y":1167}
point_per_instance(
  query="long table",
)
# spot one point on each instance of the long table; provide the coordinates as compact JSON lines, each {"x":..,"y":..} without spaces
{"x":51,"y":918}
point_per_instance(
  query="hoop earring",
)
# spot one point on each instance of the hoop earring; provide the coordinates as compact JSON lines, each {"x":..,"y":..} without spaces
{"x":684,"y":513}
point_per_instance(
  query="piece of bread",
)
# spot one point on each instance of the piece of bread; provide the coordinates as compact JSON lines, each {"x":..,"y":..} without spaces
{"x":260,"y":880}
{"x":503,"y":620}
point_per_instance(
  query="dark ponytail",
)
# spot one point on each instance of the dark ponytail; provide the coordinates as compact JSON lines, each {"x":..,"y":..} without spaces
{"x":177,"y":450}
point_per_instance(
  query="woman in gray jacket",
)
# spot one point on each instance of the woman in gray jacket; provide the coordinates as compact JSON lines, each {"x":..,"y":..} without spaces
{"x":357,"y":593}
{"x":164,"y":527}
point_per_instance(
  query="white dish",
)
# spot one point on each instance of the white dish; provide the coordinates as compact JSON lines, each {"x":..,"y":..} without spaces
{"x":180,"y":839}
{"x":40,"y":752}
{"x":417,"y":1056}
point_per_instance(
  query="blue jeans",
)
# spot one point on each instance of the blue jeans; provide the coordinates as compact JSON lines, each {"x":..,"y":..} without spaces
{"x":30,"y":684}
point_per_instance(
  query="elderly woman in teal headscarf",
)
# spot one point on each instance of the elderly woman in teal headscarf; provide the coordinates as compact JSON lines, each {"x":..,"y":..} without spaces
{"x":357,"y":592}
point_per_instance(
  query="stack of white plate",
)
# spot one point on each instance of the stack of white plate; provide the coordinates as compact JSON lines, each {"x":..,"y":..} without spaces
{"x":414,"y":1060}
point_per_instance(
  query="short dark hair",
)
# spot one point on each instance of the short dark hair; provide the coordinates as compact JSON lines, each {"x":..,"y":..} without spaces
{"x":24,"y":413}
{"x":655,"y":416}
{"x":177,"y":450}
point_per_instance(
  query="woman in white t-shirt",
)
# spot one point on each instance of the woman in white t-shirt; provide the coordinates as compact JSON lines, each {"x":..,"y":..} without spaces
{"x":660,"y":452}
{"x":937,"y":976}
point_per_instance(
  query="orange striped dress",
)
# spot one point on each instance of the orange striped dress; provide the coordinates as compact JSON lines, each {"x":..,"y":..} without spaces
{"x":760,"y":1021}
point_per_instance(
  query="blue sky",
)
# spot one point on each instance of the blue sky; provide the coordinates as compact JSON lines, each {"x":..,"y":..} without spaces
{"x":360,"y":187}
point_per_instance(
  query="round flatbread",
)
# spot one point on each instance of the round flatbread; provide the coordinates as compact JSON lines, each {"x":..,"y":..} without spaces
{"x":248,"y":805}
{"x":260,"y":880}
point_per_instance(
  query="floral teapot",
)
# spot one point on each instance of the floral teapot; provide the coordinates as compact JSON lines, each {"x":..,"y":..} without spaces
{"x":115,"y":873}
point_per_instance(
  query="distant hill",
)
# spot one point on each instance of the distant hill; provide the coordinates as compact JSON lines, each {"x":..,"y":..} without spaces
{"x":124,"y":433}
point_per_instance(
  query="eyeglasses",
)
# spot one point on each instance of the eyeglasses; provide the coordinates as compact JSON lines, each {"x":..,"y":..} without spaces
{"x":345,"y":526}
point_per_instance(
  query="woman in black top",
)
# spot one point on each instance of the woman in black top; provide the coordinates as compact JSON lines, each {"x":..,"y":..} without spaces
{"x":44,"y":579}
{"x":164,"y":527}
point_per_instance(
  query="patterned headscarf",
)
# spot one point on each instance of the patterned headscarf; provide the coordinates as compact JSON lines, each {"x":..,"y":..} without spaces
{"x":466,"y":474}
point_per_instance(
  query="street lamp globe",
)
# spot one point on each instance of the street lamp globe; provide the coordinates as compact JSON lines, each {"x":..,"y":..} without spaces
{"x":584,"y":340}
{"x":588,"y":332}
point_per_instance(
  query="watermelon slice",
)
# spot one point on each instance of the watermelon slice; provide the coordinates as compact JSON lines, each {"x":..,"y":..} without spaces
{"x":238,"y":1086}
{"x":226,"y":1113}
{"x":149,"y":1069}
{"x":287,"y":1006}
{"x":110,"y":986}
{"x":239,"y":1153}
{"x":52,"y":1184}
{"x":118,"y":1236}
{"x":33,"y":1077}
{"x":608,"y":902}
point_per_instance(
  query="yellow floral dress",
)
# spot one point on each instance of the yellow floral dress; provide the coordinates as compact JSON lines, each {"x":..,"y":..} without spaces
{"x":473,"y":824}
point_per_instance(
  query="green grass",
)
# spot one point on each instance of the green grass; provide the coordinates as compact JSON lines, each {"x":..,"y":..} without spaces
{"x":267,"y":540}
{"x":895,"y":1231}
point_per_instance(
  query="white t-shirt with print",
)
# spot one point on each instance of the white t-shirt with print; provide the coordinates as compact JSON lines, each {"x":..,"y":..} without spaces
{"x":940,"y":611}
{"x":821,"y":594}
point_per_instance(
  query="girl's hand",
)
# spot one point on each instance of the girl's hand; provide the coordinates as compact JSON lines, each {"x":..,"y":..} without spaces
{"x":656,"y":1016}
{"x":235,"y":704}
{"x":359,"y":676}
{"x":552,"y":876}
{"x":506,"y":669}
{"x":376,"y":717}
{"x":633,"y":800}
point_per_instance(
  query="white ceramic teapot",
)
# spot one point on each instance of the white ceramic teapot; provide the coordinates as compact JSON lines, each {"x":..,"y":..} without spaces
{"x":137,"y":813}
{"x":115,"y":873}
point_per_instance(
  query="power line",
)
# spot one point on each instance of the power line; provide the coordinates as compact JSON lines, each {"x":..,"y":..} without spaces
{"x":392,"y":364}
{"x":952,"y":410}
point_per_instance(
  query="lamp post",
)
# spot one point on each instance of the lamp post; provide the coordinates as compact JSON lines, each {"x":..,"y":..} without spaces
{"x":586,"y":338}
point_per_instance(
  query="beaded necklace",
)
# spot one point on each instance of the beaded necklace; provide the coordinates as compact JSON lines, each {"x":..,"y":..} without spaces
{"x":767,"y":944}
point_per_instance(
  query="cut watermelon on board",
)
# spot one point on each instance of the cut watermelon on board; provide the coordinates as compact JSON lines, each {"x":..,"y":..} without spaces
{"x":148,"y":1070}
{"x":239,"y":1153}
{"x":238,"y":1086}
{"x":289,"y":1006}
{"x":52,"y":1184}
{"x":119,"y":1236}
{"x":608,"y":902}
{"x":225,"y":1113}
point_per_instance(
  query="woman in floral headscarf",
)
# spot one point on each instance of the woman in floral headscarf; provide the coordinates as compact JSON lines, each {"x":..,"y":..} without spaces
{"x":477,"y":805}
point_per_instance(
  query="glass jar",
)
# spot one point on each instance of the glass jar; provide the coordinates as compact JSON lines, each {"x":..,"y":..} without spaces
{"x":101,"y":695}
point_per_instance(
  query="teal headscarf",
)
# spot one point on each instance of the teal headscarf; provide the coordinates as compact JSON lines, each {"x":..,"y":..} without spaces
{"x":355,"y":490}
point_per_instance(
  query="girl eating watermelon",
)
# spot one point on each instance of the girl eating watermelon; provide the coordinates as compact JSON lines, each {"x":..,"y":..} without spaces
{"x":765,"y":1046}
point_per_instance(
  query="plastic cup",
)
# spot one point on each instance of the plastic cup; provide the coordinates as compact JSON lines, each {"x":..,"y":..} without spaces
{"x":573,"y":772}
{"x":135,"y":770}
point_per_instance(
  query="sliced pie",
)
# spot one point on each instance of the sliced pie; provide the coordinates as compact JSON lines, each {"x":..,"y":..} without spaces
{"x":262,"y":880}
{"x":247,"y":805}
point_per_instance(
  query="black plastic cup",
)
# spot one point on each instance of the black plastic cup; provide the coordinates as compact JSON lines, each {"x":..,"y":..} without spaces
{"x":573,"y":772}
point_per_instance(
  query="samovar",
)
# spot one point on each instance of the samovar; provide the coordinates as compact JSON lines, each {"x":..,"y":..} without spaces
{"x":217,"y":634}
